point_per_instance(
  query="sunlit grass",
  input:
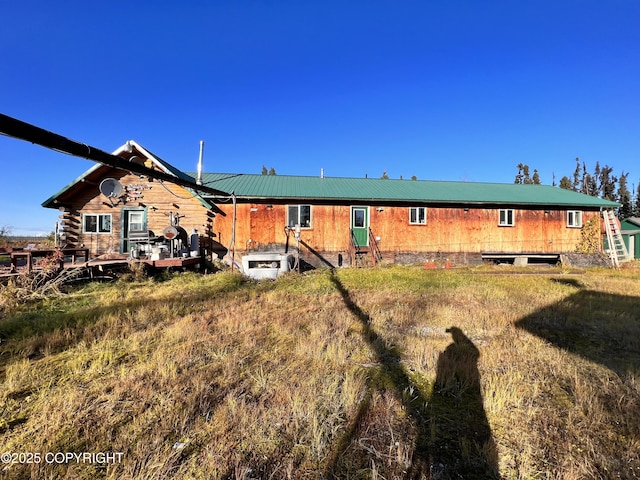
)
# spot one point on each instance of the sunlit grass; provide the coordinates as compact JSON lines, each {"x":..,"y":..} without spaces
{"x":329,"y":374}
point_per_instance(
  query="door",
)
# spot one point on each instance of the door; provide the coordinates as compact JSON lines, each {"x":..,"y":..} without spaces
{"x":360,"y":225}
{"x":134,"y":228}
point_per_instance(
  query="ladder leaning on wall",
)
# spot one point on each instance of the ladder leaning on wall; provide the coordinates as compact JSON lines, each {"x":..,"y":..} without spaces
{"x":617,"y":249}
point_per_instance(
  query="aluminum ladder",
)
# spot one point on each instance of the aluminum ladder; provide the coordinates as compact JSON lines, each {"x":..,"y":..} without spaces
{"x":617,"y":249}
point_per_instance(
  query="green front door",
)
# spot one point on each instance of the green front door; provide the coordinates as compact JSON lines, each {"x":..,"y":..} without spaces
{"x":360,"y":225}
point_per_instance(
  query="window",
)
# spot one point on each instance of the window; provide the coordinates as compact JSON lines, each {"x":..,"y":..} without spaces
{"x":359,"y":218}
{"x":96,"y":223}
{"x":417,"y":216}
{"x":299,"y":215}
{"x":506,"y":218}
{"x":574,"y":218}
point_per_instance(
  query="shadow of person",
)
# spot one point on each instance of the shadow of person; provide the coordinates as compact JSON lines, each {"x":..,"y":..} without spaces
{"x":452,"y":435}
{"x":461,"y":444}
{"x":390,"y":375}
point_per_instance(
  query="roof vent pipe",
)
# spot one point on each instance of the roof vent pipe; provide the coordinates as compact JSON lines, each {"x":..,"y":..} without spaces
{"x":322,"y":173}
{"x":199,"y":178}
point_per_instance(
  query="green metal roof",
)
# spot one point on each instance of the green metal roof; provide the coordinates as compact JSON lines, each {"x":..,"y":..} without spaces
{"x":283,"y":187}
{"x":50,"y":202}
{"x":630,"y":225}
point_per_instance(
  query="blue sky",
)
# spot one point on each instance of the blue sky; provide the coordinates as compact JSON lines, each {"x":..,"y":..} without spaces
{"x":446,"y":90}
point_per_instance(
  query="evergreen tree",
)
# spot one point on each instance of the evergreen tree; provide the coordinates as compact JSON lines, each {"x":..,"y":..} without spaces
{"x":264,"y":170}
{"x":577,"y":180}
{"x":624,"y":197}
{"x":566,"y":183}
{"x":519,"y":176}
{"x":384,"y":176}
{"x":636,"y":209}
{"x":413,"y":177}
{"x":597,"y":177}
{"x":591,"y":185}
{"x":272,"y":171}
{"x":585,"y":180}
{"x":536,"y":178}
{"x":607,"y":183}
{"x":523,"y":177}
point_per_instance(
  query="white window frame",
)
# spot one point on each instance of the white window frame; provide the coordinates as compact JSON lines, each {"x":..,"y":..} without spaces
{"x":293,"y":222}
{"x":419,"y":219}
{"x":574,"y":218}
{"x":506,"y":217}
{"x":99,"y":222}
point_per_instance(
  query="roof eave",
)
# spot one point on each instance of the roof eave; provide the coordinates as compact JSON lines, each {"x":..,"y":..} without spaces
{"x":51,"y":202}
{"x":427,"y":201}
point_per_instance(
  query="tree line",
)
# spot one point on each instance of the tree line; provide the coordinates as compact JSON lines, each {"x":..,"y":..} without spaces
{"x":601,"y":182}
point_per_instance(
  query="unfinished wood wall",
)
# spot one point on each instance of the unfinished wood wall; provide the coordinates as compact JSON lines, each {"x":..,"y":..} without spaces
{"x":261,"y":226}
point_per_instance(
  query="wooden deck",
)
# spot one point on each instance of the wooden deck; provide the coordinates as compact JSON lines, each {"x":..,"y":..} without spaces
{"x":28,"y":261}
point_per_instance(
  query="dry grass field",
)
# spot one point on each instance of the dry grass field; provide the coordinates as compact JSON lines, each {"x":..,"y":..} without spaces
{"x":386,"y":373}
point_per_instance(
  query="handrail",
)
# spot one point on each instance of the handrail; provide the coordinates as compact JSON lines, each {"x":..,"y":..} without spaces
{"x":374,"y":248}
{"x":353,"y":247}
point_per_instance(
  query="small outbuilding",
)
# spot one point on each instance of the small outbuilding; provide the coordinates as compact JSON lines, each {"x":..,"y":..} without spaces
{"x":630,"y":229}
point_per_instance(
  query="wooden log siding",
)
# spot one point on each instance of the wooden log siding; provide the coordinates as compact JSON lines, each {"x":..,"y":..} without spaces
{"x":158,"y":199}
{"x":448,"y":229}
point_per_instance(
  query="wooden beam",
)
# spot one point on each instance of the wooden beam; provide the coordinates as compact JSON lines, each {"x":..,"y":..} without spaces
{"x":30,"y":133}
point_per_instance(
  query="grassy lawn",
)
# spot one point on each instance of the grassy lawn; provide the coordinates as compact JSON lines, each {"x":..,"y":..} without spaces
{"x":396,"y":372}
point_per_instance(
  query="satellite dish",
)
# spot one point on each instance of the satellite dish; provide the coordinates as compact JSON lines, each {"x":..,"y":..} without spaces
{"x":110,"y":187}
{"x":170,"y":232}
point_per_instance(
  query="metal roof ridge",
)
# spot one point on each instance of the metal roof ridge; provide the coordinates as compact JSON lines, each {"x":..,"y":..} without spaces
{"x":326,"y":177}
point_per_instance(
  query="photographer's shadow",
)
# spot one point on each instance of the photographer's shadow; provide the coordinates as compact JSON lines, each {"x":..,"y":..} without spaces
{"x":460,"y":440}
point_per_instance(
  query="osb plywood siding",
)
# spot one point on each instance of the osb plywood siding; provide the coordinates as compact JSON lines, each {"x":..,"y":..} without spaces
{"x":476,"y":230}
{"x":260,"y":226}
{"x":160,"y":200}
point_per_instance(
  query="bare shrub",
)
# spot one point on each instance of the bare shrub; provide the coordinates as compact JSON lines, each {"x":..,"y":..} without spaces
{"x":40,"y":283}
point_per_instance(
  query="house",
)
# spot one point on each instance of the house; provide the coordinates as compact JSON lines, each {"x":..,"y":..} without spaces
{"x":402,"y":221}
{"x":630,"y":229}
{"x":331,"y":221}
{"x":115,"y":213}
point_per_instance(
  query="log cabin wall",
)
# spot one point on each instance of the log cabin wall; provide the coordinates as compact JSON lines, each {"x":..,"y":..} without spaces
{"x":260,"y":226}
{"x":157,"y":199}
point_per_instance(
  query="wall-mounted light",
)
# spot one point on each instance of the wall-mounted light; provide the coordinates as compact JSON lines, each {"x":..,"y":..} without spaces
{"x":269,"y":207}
{"x":253,"y":209}
{"x":466,"y":209}
{"x":547,"y":212}
{"x":379,"y":209}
